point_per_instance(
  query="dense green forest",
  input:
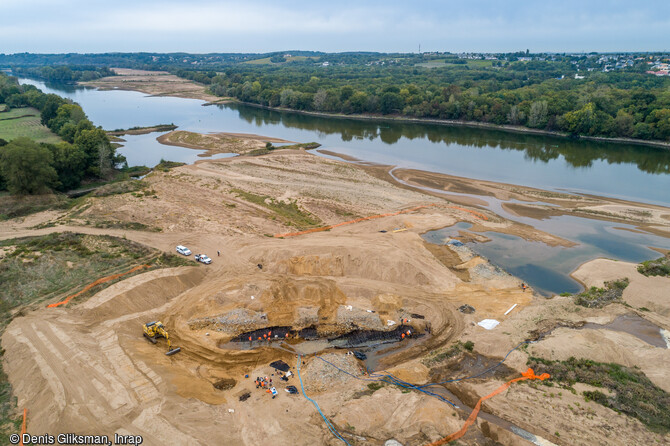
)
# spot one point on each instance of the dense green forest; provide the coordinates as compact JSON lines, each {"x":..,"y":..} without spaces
{"x":64,"y":73}
{"x":610,"y":95}
{"x":149,"y":61}
{"x":535,"y":95}
{"x":535,"y":147}
{"x":27,"y":167}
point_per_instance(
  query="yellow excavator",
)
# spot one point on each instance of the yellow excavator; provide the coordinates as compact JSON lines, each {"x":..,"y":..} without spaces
{"x":155,"y":330}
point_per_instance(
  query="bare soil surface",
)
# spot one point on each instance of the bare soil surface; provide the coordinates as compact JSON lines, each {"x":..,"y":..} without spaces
{"x":154,"y":83}
{"x":540,"y":204}
{"x":86,"y":368}
{"x":217,"y":142}
{"x":139,"y":131}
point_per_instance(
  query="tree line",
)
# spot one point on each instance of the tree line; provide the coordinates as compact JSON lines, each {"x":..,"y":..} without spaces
{"x":28,"y":167}
{"x":539,"y":95}
{"x":536,"y":147}
{"x":64,"y":73}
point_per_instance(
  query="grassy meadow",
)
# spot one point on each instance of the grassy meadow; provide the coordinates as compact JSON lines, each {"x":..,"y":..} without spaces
{"x":19,"y":122}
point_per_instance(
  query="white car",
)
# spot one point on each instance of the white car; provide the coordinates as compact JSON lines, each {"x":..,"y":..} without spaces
{"x":183,"y":250}
{"x":203,"y":258}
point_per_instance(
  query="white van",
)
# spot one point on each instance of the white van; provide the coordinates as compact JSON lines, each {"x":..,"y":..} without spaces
{"x":183,"y":250}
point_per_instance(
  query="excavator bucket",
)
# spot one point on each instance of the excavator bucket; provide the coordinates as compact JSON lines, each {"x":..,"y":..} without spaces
{"x":173,"y":351}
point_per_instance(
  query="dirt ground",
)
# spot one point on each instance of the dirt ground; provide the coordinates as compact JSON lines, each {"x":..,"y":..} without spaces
{"x":217,"y":142}
{"x":541,"y":204}
{"x":154,"y":83}
{"x":86,"y":368}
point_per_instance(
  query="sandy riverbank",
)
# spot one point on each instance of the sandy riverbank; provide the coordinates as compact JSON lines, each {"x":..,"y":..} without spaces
{"x":154,"y":83}
{"x":218,"y":142}
{"x":535,"y":203}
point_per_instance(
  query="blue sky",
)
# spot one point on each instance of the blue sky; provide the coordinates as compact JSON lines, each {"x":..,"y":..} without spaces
{"x":202,"y":26}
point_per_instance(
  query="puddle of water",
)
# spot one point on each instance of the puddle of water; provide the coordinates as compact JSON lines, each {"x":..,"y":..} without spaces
{"x":538,"y":441}
{"x":376,"y":354}
{"x":630,"y":323}
{"x":543,"y":267}
{"x":311,"y":347}
{"x":547,"y":268}
{"x":634,"y":325}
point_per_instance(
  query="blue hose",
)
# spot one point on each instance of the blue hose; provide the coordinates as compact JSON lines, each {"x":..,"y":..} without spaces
{"x":388,"y":378}
{"x":331,"y":428}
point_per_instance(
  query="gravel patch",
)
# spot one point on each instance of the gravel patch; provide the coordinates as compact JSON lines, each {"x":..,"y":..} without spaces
{"x":358,"y":317}
{"x":240,"y":319}
{"x":306,"y":316}
{"x":488,"y":271}
{"x":319,"y":376}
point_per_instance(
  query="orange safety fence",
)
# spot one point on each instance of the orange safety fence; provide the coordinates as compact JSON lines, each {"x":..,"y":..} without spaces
{"x":372,"y":217}
{"x":528,"y":374}
{"x":23,"y":426}
{"x":97,"y":282}
{"x":475,"y":213}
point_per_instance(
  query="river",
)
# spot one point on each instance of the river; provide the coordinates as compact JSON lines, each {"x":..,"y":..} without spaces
{"x":624,"y":171}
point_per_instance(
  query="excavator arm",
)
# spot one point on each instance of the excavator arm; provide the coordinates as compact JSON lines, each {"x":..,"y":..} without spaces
{"x":153,"y":330}
{"x":163,"y":332}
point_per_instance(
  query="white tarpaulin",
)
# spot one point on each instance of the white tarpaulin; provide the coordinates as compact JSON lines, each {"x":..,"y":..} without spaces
{"x":489,"y":324}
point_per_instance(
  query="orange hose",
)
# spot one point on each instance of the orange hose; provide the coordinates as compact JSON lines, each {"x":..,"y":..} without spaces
{"x":372,"y":217}
{"x":528,"y":374}
{"x":97,"y":282}
{"x":23,"y":427}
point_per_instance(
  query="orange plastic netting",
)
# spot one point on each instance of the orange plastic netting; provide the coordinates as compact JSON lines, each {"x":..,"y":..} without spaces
{"x":372,"y":217}
{"x":528,"y":374}
{"x":97,"y":282}
{"x":23,"y":426}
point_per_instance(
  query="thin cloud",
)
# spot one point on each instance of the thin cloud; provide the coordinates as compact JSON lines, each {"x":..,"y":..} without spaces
{"x":346,"y":25}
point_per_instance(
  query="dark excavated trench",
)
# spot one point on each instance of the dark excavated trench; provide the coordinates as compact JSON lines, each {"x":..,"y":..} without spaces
{"x":374,"y":344}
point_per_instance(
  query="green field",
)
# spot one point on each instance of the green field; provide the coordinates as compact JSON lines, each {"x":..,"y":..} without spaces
{"x":19,"y":122}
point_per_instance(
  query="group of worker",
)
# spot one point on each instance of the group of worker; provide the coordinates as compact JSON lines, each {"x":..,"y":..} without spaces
{"x":263,"y":382}
{"x":407,"y":333}
{"x":267,"y":336}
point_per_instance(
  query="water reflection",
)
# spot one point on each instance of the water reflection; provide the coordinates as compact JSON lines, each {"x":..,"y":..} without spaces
{"x":577,"y":153}
{"x":547,"y":268}
{"x":622,"y":171}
